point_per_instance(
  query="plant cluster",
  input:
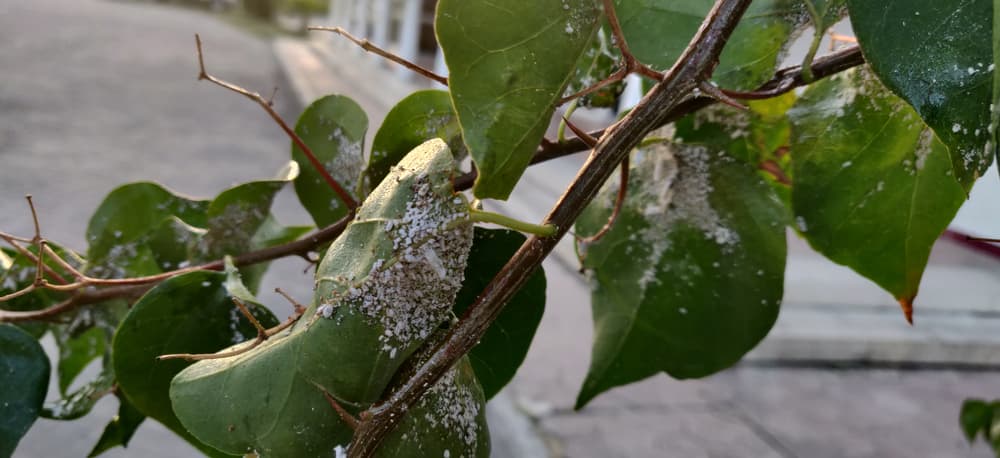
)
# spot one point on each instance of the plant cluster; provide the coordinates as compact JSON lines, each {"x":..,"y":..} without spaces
{"x":420,"y":314}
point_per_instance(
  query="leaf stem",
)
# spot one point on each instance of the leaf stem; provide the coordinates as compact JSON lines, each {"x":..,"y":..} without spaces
{"x":541,"y":230}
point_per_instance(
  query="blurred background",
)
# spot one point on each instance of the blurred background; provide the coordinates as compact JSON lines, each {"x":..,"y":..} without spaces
{"x":97,"y":93}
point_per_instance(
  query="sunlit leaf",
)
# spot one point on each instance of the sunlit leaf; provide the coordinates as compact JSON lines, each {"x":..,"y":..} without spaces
{"x":657,"y":31}
{"x":509,"y":62}
{"x":872,"y":186}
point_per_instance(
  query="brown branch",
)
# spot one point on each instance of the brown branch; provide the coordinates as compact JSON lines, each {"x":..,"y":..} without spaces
{"x":134,"y":287}
{"x":372,"y":48}
{"x":790,"y":78}
{"x":619,"y":201}
{"x":695,"y":64}
{"x":15,"y":242}
{"x":266,"y":104}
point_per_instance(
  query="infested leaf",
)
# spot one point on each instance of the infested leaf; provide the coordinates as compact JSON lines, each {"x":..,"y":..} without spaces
{"x":419,"y":117}
{"x":383,"y":287}
{"x":126,"y":216}
{"x":333,"y":128}
{"x":690,"y":276}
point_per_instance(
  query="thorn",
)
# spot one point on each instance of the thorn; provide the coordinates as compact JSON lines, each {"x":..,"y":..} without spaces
{"x":590,"y":141}
{"x":907,"y":305}
{"x":344,"y":414}
{"x":714,"y":92}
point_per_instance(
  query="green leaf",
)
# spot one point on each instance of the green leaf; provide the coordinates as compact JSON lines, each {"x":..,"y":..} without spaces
{"x":77,"y":351}
{"x":383,"y":287}
{"x":189,"y":313}
{"x":976,"y":417}
{"x":24,"y":376}
{"x":509,"y":62}
{"x":120,"y":429}
{"x":872,"y":187}
{"x":657,"y":31}
{"x":127,"y":215}
{"x":334,"y":128}
{"x":419,"y":117}
{"x":79,"y":402}
{"x":502,"y":349}
{"x":690,"y":276}
{"x":935,"y":55}
{"x":236,"y":214}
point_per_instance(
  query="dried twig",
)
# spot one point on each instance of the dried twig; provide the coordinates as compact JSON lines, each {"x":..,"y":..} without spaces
{"x":262,"y":336}
{"x":372,"y":48}
{"x":266,"y":104}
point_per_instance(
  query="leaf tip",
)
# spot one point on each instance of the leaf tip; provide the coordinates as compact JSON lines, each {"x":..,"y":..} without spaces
{"x":906,"y":303}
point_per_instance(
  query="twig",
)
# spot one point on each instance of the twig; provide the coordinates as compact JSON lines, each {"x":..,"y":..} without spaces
{"x":790,"y":78}
{"x":619,"y":201}
{"x":15,"y":242}
{"x":134,"y":287}
{"x":372,"y":48}
{"x":262,"y":334}
{"x":39,"y":244}
{"x":695,"y":64}
{"x":629,"y":62}
{"x":337,"y":188}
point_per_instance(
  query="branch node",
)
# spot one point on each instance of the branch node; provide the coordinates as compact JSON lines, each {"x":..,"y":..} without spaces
{"x":706,"y":87}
